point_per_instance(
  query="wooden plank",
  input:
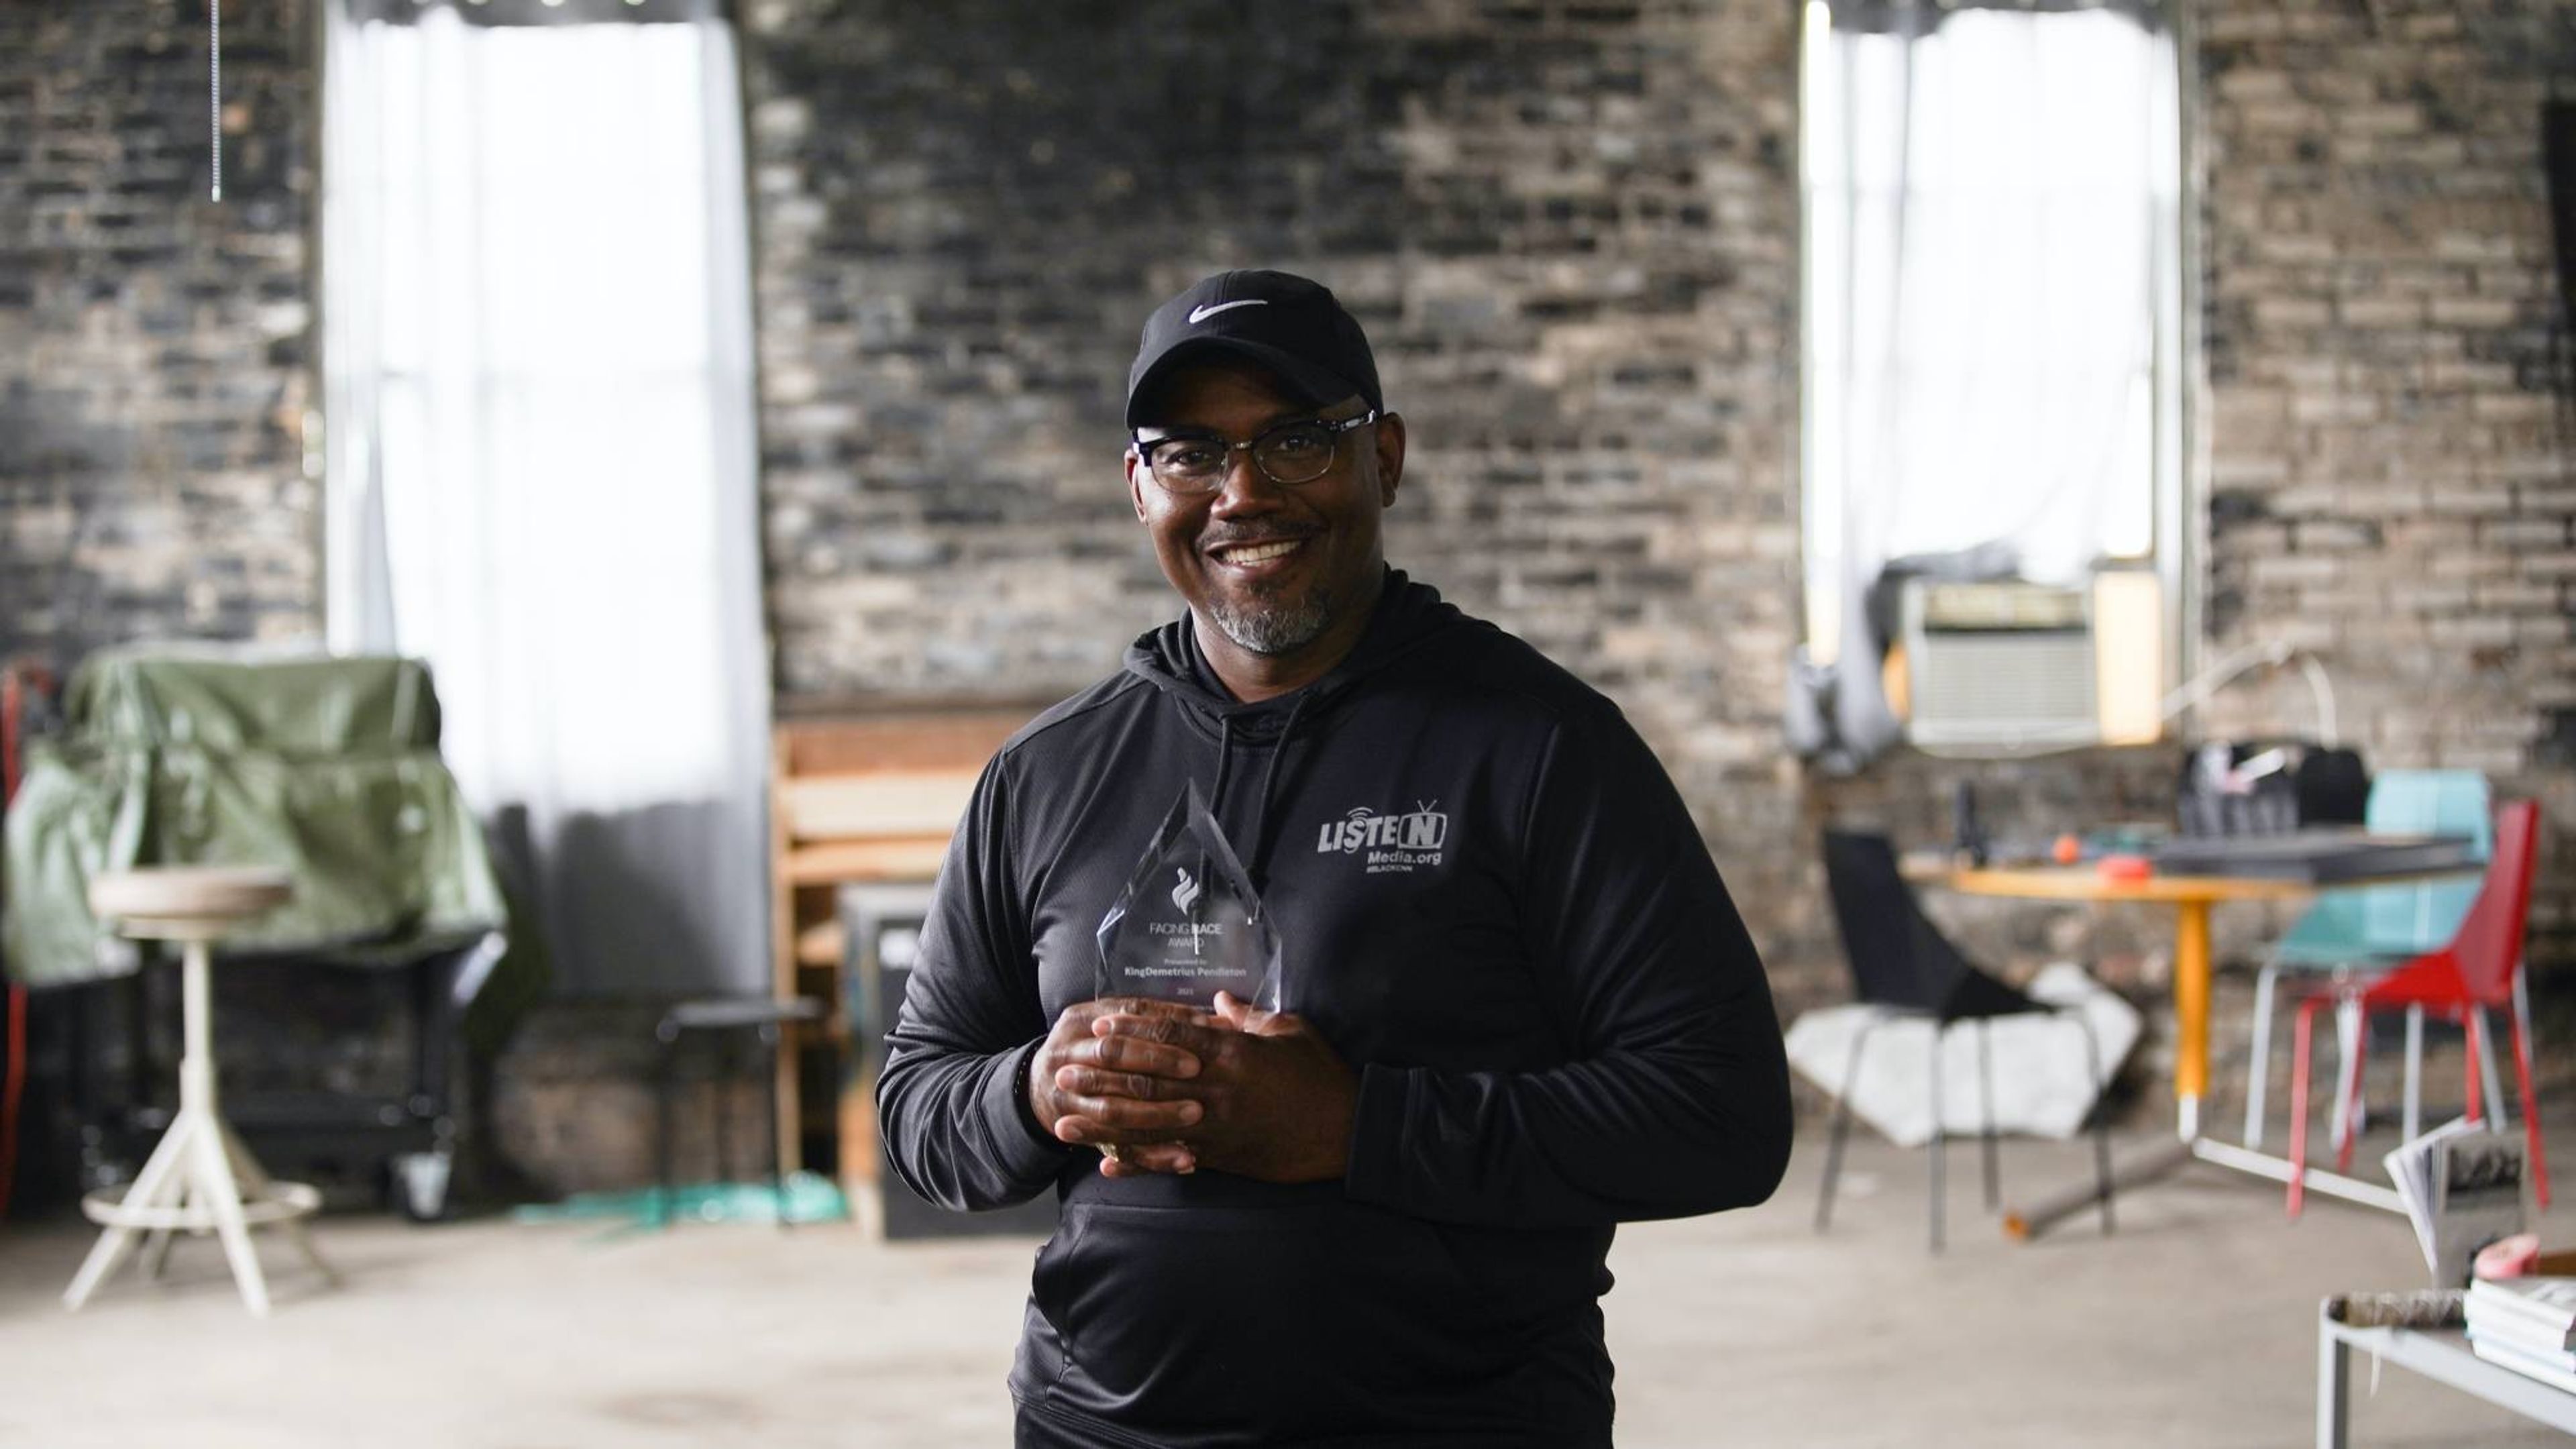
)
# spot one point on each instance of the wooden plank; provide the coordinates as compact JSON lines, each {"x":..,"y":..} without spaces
{"x":821,"y":944}
{"x":874,"y":805}
{"x":895,"y":742}
{"x":909,"y":858}
{"x":790,"y":1107}
{"x":858,"y":1126}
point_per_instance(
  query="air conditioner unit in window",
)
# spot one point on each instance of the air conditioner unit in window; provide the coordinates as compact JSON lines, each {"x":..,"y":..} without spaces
{"x":1999,"y":663}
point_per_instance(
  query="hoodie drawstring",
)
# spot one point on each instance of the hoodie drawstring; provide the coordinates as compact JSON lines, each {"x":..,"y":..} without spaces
{"x":1259,"y":853}
{"x":1224,"y":757}
{"x":1269,"y":782}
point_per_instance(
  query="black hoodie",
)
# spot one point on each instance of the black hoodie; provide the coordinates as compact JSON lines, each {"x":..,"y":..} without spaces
{"x":1557,"y":1018}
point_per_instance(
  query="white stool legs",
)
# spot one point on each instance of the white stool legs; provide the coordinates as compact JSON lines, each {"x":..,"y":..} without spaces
{"x":199,"y":1178}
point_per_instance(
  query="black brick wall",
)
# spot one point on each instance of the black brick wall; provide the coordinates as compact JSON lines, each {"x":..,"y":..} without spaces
{"x":154,"y":354}
{"x":1571,"y":231}
{"x":2390,"y":406}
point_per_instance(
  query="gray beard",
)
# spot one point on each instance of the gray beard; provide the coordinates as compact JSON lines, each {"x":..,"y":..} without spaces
{"x":1280,"y":628}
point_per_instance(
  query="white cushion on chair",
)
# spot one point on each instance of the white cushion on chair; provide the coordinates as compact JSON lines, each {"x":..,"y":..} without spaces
{"x":189,"y":893}
{"x":2041,"y":1086}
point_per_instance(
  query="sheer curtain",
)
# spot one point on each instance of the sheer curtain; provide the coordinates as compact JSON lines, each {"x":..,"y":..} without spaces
{"x":542,"y":470}
{"x":1992,"y":206}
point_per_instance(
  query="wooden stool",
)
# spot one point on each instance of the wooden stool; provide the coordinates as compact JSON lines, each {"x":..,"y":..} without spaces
{"x":200,"y":1178}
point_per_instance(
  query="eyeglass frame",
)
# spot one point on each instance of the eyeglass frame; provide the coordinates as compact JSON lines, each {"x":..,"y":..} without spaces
{"x":1143,"y":447}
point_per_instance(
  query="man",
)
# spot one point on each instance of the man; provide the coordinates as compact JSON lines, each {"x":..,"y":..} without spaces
{"x":1518,"y":1006}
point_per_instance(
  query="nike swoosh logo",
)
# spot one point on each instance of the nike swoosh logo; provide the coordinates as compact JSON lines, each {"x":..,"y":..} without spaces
{"x":1202,"y":313}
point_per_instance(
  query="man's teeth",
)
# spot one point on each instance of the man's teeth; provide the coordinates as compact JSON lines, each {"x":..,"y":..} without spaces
{"x":1260,"y":552}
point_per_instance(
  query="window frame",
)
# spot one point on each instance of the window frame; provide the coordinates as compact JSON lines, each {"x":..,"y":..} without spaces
{"x":2178,"y":466}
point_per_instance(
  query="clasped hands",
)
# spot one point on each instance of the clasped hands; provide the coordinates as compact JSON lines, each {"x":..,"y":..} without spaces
{"x":1242,"y":1090}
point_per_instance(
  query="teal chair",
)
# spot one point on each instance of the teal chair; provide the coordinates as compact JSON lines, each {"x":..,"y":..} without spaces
{"x":2369,"y":929}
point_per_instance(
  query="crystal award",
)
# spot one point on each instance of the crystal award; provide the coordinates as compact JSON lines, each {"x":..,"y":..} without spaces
{"x":1189,"y":924}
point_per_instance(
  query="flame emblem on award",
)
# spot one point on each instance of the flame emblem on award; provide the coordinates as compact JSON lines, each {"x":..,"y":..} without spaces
{"x":1188,"y":923}
{"x":1185,"y":895}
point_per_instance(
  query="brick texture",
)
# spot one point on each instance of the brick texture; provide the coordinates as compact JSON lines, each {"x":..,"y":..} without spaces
{"x":2391,"y":480}
{"x":154,"y":344}
{"x":1570,"y":229}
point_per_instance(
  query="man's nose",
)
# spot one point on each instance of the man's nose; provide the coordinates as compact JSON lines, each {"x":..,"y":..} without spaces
{"x":1244,"y":487}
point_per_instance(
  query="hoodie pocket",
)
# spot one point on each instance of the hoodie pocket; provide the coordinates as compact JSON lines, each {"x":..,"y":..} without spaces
{"x":1297,"y":1320}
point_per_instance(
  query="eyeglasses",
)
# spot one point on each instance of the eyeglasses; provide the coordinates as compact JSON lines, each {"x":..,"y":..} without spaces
{"x":1289,"y":454}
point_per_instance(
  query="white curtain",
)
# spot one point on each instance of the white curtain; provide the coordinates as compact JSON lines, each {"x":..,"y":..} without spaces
{"x":1992,"y":217}
{"x":542,"y":470}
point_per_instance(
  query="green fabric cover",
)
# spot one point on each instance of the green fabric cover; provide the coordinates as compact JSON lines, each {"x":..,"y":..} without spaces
{"x":229,"y":702}
{"x":327,"y":768}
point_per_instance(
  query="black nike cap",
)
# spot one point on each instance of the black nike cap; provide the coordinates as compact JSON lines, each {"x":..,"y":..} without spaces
{"x":1294,"y":327}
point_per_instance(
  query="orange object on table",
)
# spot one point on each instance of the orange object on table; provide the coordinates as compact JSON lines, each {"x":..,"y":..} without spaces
{"x":2124,"y":868}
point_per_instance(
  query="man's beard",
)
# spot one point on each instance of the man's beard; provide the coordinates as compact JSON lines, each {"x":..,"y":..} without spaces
{"x":1274,"y":626}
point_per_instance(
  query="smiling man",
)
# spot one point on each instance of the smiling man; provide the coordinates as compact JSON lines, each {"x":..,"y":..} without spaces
{"x":1518,"y":1007}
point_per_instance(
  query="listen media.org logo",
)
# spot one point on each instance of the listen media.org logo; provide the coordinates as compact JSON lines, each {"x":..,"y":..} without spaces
{"x":1422,"y":828}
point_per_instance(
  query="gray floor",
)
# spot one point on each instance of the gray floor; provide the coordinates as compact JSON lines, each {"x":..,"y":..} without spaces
{"x":2194,"y":1326}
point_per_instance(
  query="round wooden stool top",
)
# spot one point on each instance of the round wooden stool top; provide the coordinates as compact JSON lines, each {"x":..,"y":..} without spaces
{"x":187,"y":902}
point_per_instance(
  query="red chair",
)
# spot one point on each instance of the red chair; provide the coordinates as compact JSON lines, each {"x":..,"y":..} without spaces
{"x":2475,"y":971}
{"x":22,"y":682}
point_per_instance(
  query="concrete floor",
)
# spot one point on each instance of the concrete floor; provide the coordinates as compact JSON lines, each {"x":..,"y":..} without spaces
{"x":2194,"y":1326}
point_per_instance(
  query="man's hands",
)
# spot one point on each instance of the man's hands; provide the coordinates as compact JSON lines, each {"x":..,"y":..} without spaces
{"x":1114,"y":1091}
{"x":1252,"y":1092}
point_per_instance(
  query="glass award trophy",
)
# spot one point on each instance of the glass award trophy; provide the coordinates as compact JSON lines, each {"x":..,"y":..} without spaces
{"x":1189,"y":925}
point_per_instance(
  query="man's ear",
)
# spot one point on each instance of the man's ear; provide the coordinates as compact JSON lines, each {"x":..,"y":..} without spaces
{"x":1390,"y":457}
{"x":1136,"y":484}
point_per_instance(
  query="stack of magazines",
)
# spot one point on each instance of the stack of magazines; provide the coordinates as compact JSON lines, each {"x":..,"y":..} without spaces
{"x":2527,"y":1325}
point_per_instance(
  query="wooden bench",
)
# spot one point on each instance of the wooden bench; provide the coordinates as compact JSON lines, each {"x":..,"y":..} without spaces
{"x":865,"y":795}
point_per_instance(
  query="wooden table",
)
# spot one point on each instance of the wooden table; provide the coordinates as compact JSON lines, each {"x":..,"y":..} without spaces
{"x":2191,"y":897}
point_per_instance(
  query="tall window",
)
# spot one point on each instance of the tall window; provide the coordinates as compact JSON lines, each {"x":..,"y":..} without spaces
{"x":542,"y":477}
{"x":1992,"y":301}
